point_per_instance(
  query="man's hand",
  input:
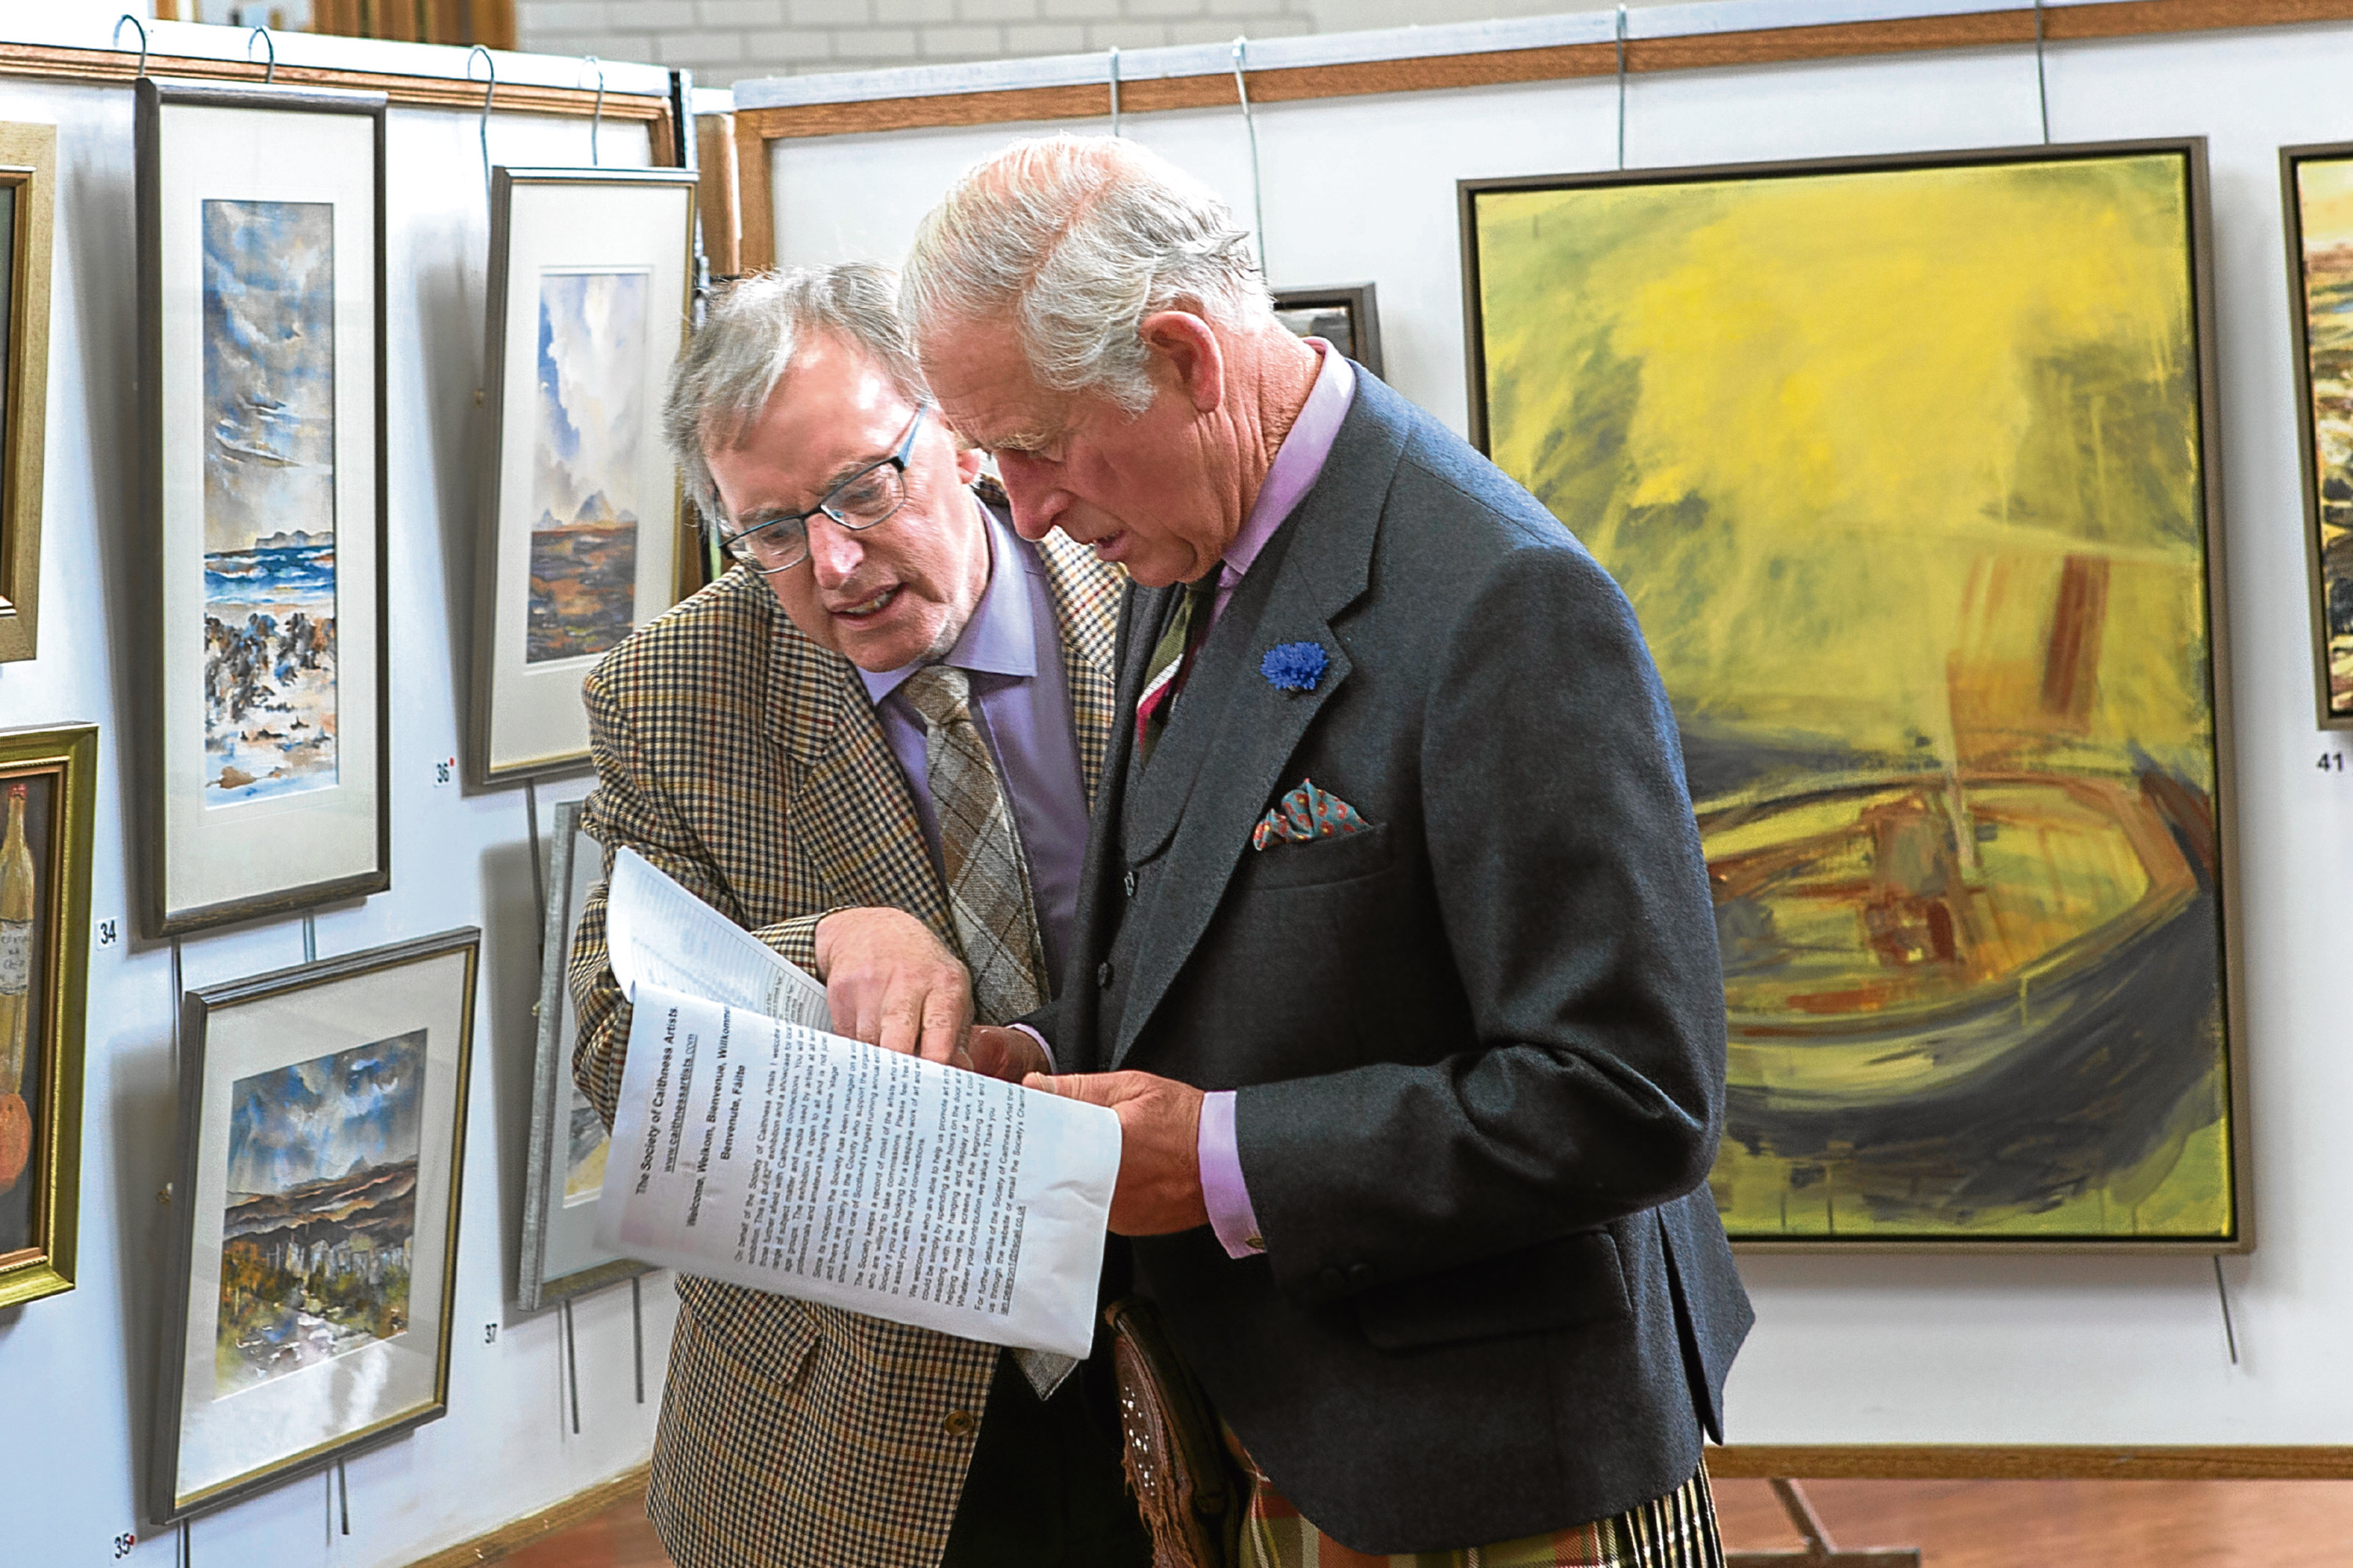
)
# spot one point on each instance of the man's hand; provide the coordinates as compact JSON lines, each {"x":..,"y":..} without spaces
{"x":994,"y":1051}
{"x":1159,"y":1186}
{"x":892,"y":983}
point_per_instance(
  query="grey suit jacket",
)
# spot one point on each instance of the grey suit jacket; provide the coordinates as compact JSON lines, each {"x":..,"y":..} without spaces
{"x":1480,"y":1048}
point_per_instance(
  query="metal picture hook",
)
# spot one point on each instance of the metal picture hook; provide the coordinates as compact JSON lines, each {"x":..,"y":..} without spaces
{"x":596,"y":117}
{"x":1622,"y":89}
{"x":1258,"y":194}
{"x":2042,"y":81}
{"x":263,"y":35}
{"x":490,"y":88}
{"x":135,"y":22}
{"x":1114,"y":89}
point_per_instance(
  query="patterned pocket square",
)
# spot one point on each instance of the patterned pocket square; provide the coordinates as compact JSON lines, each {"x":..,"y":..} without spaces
{"x":1305,"y":815}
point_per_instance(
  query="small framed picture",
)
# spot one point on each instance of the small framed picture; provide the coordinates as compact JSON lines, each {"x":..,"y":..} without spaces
{"x":583,"y":535}
{"x":2318,"y":182}
{"x":263,"y":706}
{"x":322,"y":1137}
{"x":565,"y":1168}
{"x":1345,"y":315}
{"x":48,"y":784}
{"x":29,"y":177}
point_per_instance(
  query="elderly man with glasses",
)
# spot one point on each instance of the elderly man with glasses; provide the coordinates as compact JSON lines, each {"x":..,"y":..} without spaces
{"x":873,"y":745}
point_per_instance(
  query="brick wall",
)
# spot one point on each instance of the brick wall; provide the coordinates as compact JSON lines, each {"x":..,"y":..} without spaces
{"x":724,"y":41}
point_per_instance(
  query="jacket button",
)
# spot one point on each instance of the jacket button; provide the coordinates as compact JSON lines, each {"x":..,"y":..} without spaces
{"x":959,"y":1423}
{"x":1128,"y":882}
{"x":1330,"y":1280}
{"x":1102,"y":975}
{"x":1360,"y":1275}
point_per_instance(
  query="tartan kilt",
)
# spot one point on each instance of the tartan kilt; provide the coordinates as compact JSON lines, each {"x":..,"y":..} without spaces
{"x":1677,"y":1530}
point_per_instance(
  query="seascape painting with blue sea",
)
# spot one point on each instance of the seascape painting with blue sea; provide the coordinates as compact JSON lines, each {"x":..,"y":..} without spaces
{"x":584,"y":544}
{"x":322,"y":1209}
{"x":270,"y":499}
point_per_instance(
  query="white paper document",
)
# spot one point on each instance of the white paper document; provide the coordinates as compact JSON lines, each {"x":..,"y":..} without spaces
{"x":771,"y":1154}
{"x":659,"y":934}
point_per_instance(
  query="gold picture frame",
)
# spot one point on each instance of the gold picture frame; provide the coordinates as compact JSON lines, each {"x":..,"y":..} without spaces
{"x":28,"y":181}
{"x":55,"y":770}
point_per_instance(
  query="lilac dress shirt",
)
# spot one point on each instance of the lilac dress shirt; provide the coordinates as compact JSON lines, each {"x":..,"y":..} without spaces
{"x":1012,"y":650}
{"x":1298,"y":464}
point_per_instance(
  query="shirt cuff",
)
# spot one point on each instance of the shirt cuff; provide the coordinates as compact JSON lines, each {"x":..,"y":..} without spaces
{"x":1222,"y":1189}
{"x":1051,"y":1065}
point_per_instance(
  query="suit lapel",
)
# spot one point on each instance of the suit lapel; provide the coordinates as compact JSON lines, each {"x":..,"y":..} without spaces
{"x":1233,"y":735}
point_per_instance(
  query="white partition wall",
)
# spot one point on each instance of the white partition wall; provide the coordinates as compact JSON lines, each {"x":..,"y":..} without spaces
{"x":76,"y":1369}
{"x":2112,"y":1352}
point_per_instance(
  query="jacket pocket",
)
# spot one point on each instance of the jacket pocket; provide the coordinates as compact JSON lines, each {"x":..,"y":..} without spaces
{"x":1563,"y":1284}
{"x":770,"y":1337}
{"x":1317,"y":863}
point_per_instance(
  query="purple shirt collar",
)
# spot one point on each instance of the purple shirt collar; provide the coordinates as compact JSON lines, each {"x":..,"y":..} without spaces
{"x":1002,"y":638}
{"x":1298,"y":464}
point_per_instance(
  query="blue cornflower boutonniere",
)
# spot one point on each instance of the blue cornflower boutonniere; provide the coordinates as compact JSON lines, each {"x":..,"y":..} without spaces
{"x":1294,"y":666}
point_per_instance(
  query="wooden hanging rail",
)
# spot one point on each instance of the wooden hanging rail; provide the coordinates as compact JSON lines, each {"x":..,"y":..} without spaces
{"x":755,"y":128}
{"x":2030,"y":1462}
{"x":119,"y":67}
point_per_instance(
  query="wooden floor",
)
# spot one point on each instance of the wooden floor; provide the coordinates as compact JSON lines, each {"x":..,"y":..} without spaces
{"x":1957,"y":1524}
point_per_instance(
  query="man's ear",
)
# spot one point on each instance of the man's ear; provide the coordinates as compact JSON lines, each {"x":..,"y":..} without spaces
{"x":1190,"y":355}
{"x":968,"y":460}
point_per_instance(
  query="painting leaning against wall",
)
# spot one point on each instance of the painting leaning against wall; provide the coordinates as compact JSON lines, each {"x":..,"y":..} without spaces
{"x":584,"y":546}
{"x":270,"y":499}
{"x":1902,"y":465}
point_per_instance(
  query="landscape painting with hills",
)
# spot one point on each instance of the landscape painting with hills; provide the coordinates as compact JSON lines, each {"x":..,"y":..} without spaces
{"x":321,"y":1214}
{"x":2324,"y":216}
{"x":584,"y":544}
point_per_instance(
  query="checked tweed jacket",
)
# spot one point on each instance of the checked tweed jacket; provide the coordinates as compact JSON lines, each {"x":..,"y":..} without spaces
{"x":747,"y":762}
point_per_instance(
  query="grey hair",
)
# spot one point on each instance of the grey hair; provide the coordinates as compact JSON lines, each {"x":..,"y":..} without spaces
{"x":1077,"y":240}
{"x":731,"y":367}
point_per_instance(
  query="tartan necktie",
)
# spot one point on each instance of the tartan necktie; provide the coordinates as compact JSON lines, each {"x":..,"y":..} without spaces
{"x":1172,"y":661}
{"x":989,"y":880}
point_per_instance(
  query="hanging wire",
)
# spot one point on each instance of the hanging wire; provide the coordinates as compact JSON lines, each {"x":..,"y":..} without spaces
{"x":489,"y":90}
{"x":538,"y":875}
{"x":2230,"y":1334}
{"x":572,"y":1363}
{"x":2041,"y":81}
{"x":638,"y":1334}
{"x":310,"y":939}
{"x":263,"y":35}
{"x":344,"y":1492}
{"x":596,"y":119}
{"x":117,"y":42}
{"x":1258,"y":194}
{"x":1114,"y":89}
{"x":1622,"y":89}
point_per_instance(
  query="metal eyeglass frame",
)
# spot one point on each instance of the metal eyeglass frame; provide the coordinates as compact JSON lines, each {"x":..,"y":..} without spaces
{"x":737,"y":545}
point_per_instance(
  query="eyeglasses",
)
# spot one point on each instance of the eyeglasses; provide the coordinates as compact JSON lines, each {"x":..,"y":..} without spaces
{"x":867,"y":497}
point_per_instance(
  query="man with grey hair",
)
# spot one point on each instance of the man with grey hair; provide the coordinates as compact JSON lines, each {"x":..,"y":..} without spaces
{"x":873,"y":745}
{"x":1405,"y":984}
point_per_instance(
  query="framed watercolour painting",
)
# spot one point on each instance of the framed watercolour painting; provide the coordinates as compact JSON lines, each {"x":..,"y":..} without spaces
{"x":322,"y":1135}
{"x":49,"y":781}
{"x":583,"y":535}
{"x":1345,"y":315}
{"x":1908,"y":466}
{"x":2317,"y":194}
{"x":565,"y":1168}
{"x":29,"y":177}
{"x":263,"y":761}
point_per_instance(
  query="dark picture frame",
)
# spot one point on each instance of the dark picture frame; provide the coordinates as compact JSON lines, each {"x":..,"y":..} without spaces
{"x":321,"y":1171}
{"x":2328,"y":560}
{"x":560,"y":1258}
{"x":560,"y":577}
{"x":1359,"y":304}
{"x":28,"y":179}
{"x":264,"y":706}
{"x":1698,"y":549}
{"x":49,"y":790}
